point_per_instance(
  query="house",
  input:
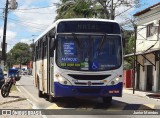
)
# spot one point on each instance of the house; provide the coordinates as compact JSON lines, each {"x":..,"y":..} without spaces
{"x":147,"y":76}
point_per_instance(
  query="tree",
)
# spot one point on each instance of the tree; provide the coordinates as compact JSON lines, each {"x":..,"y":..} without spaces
{"x":73,"y":9}
{"x":130,"y":42}
{"x":19,"y":54}
{"x":129,"y":49}
{"x":99,"y":8}
{"x":110,"y":6}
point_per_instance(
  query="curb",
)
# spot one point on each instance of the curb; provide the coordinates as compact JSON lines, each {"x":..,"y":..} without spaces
{"x":16,"y":100}
{"x":134,"y":94}
{"x":33,"y":105}
{"x":145,"y":95}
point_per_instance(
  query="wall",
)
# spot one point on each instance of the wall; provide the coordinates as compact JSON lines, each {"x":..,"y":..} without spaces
{"x":143,"y":43}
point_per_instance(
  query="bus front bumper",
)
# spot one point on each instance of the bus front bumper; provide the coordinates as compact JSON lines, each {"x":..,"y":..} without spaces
{"x":87,"y":91}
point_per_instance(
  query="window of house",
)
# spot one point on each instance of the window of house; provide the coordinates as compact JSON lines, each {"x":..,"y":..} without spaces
{"x":149,"y":28}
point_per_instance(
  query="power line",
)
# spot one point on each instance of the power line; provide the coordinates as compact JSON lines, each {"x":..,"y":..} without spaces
{"x":34,"y":8}
{"x":33,"y":12}
{"x":16,"y":20}
{"x":24,"y":24}
{"x":124,"y":11}
{"x":25,"y":21}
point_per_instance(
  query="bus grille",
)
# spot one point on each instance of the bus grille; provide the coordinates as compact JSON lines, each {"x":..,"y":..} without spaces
{"x":89,"y":90}
{"x":88,"y":77}
{"x":85,"y":83}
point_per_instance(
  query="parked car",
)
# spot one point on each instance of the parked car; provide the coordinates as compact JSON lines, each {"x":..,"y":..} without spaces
{"x":2,"y":80}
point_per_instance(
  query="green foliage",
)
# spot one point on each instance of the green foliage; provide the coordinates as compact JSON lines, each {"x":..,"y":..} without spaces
{"x":20,"y":53}
{"x":74,"y":9}
{"x":129,"y":49}
{"x":89,"y":8}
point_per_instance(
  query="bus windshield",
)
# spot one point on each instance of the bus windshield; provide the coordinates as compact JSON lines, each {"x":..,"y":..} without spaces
{"x":89,"y":52}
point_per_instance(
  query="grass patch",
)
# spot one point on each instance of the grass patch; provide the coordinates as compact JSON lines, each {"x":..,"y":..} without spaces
{"x":14,"y":88}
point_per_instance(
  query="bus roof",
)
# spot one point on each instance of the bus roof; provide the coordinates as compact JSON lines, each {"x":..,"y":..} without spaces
{"x":72,"y":19}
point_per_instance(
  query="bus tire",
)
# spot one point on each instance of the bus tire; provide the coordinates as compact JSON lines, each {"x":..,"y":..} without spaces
{"x":50,"y":98}
{"x":107,"y":100}
{"x":40,"y":94}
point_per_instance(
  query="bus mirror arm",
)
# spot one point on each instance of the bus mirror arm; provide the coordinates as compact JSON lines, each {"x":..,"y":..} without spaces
{"x":123,"y":41}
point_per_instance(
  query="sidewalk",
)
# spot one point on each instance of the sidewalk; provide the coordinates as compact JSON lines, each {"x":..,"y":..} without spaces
{"x":16,"y":100}
{"x":142,"y":93}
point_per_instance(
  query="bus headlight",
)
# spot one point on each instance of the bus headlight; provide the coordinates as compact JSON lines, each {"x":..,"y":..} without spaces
{"x":62,"y":80}
{"x":114,"y":81}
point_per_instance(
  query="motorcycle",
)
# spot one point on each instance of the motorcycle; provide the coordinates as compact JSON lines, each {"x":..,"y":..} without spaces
{"x":13,"y":77}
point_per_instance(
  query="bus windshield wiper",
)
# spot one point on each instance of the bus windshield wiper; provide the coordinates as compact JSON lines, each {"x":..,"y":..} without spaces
{"x":101,"y":43}
{"x":77,"y":40}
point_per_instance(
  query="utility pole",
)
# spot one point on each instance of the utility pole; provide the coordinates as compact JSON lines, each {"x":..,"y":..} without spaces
{"x":112,"y":12}
{"x":134,"y":64}
{"x":13,"y":5}
{"x":4,"y":35}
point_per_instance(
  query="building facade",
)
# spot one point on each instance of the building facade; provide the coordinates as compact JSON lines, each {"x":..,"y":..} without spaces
{"x":147,"y":76}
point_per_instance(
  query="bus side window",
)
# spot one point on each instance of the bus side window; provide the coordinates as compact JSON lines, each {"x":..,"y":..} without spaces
{"x":36,"y":52}
{"x":44,"y":47}
{"x":52,"y":47}
{"x":40,"y":49}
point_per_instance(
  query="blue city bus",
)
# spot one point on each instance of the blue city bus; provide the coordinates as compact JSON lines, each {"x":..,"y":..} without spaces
{"x":79,"y":58}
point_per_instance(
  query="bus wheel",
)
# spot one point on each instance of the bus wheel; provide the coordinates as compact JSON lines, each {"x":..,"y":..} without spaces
{"x":107,"y":100}
{"x":50,"y":98}
{"x":40,"y":94}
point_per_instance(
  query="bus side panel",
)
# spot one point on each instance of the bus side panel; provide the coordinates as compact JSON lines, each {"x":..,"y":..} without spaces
{"x":52,"y":75}
{"x":45,"y":74}
{"x":34,"y":73}
{"x":39,"y":73}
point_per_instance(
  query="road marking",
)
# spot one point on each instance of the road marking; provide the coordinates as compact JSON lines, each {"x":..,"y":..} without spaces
{"x":85,"y":107}
{"x":54,"y":106}
{"x":116,"y":106}
{"x":27,"y":93}
{"x":147,"y":107}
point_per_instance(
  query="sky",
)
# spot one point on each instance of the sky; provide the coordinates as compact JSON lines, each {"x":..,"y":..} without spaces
{"x":26,"y":23}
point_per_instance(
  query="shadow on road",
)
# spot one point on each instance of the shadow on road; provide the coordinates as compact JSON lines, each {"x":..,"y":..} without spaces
{"x":98,"y":104}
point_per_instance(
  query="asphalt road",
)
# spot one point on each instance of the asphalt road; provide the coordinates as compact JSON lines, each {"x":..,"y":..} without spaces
{"x":90,"y":107}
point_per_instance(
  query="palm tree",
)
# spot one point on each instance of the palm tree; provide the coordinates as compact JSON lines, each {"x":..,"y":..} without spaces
{"x":74,"y":9}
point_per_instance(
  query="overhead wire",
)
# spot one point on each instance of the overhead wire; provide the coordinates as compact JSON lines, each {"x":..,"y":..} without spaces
{"x":27,"y":22}
{"x":33,"y":8}
{"x":24,"y":24}
{"x":33,"y":12}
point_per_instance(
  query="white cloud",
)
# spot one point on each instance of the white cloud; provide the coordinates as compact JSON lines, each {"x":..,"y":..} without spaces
{"x":10,"y":38}
{"x":39,"y":19}
{"x":10,"y":35}
{"x":34,"y":22}
{"x":25,"y":40}
{"x":11,"y":25}
{"x":122,"y":17}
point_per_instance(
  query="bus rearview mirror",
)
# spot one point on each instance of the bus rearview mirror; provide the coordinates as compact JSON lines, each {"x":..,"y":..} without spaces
{"x":53,"y":44}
